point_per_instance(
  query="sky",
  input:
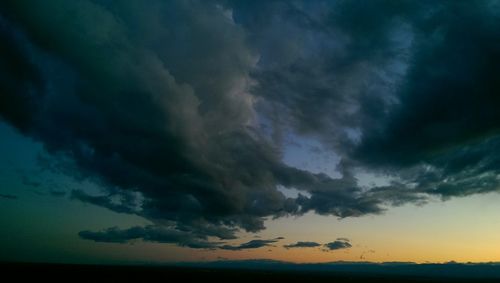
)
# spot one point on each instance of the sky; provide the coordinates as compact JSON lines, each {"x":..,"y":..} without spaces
{"x":301,"y":131}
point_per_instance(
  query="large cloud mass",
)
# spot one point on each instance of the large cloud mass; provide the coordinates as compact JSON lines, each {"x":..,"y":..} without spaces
{"x":181,"y":110}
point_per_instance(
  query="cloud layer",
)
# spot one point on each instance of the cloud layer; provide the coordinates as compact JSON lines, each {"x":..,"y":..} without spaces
{"x":253,"y":244}
{"x":301,"y":244}
{"x":181,"y":111}
{"x":149,"y":234}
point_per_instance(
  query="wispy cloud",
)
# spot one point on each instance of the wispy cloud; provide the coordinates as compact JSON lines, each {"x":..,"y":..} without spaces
{"x":253,"y":244}
{"x":8,"y":196}
{"x":302,"y":245}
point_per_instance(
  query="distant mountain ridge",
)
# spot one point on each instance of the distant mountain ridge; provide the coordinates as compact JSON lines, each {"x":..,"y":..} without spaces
{"x":444,"y":270}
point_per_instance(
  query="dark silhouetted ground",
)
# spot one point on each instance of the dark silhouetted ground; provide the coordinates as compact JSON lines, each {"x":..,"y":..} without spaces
{"x":19,"y":272}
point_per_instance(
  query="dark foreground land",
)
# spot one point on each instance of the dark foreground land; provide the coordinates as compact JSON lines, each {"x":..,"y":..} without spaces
{"x":21,"y":272}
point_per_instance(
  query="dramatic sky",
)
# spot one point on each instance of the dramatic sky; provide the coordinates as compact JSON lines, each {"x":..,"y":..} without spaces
{"x":306,"y":131}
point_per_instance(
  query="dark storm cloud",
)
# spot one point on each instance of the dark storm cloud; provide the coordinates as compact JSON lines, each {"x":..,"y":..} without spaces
{"x":316,"y":79}
{"x":180,"y":110}
{"x":340,"y":243}
{"x":417,"y":80}
{"x":444,"y":131}
{"x":130,"y":112}
{"x":253,"y":244}
{"x":302,"y":245}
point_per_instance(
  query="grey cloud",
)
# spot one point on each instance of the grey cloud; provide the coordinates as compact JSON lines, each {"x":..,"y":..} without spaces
{"x":253,"y":244}
{"x":121,"y":205}
{"x":340,"y":243}
{"x":302,"y":245}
